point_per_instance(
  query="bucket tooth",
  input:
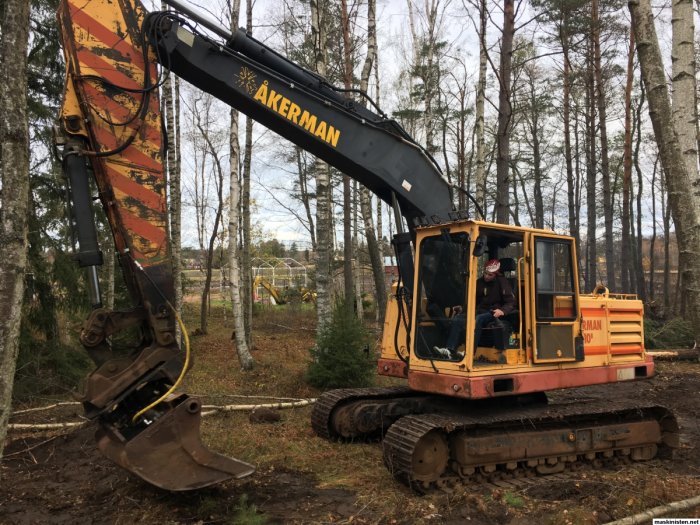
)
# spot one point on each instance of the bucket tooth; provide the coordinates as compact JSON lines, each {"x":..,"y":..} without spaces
{"x":169,"y":452}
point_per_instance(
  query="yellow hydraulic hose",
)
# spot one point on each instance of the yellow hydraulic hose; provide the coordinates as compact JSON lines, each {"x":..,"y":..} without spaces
{"x":182,"y":373}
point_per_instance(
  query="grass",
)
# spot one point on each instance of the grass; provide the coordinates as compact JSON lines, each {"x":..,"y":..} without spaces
{"x":247,"y":513}
{"x":514,"y":500}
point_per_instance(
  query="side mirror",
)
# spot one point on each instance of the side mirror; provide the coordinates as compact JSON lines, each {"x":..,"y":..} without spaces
{"x":479,"y":246}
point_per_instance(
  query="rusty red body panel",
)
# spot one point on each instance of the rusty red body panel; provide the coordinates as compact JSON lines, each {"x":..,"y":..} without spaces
{"x":479,"y":387}
{"x":392,"y":368}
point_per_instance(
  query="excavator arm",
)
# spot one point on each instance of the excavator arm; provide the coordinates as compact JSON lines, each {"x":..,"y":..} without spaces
{"x":110,"y":132}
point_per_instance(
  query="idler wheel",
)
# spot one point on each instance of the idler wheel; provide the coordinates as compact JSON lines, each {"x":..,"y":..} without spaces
{"x":430,"y":457}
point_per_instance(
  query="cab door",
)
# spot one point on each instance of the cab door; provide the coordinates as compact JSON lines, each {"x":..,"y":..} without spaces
{"x":554,"y":298}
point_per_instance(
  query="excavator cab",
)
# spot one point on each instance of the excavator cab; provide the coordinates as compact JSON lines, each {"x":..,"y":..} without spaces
{"x":449,"y":265}
{"x":544,"y":328}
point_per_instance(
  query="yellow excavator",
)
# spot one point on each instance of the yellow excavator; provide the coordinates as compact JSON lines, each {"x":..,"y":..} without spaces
{"x":307,"y":294}
{"x":276,"y":295}
{"x":472,"y":413}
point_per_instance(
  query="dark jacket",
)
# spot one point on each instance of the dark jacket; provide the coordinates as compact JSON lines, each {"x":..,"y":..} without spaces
{"x":494,"y":294}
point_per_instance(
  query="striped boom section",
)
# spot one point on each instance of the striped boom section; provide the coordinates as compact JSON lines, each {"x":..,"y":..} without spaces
{"x":131,"y":182}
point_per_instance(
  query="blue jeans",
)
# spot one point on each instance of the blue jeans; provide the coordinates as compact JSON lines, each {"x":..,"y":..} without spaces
{"x":481,"y":321}
{"x":457,"y":329}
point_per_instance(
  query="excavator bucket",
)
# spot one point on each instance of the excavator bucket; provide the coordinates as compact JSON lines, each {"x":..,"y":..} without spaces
{"x":169,"y":452}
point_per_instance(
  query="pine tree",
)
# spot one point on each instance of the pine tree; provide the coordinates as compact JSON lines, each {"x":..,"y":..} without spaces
{"x":341,"y":357}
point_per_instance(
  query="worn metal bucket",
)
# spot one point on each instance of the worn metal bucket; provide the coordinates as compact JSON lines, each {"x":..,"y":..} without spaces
{"x":168,"y":452}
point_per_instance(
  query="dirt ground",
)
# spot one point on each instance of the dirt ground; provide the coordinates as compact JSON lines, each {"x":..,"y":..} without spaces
{"x":61,"y":478}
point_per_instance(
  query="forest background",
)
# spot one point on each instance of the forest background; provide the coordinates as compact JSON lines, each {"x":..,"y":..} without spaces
{"x":550,"y":113}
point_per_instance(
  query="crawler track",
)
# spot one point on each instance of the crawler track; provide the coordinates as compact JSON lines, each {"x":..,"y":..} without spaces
{"x":433,"y":442}
{"x":322,"y":416}
{"x":427,"y":451}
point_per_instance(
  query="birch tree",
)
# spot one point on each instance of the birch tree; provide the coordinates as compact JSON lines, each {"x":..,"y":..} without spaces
{"x":245,"y":223}
{"x":683,"y":183}
{"x":234,"y":277}
{"x":349,"y":283}
{"x":324,"y":221}
{"x":683,"y":72}
{"x":171,"y":112}
{"x":14,"y":199}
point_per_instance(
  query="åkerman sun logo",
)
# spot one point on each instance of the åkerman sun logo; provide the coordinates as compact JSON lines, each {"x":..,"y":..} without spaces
{"x":246,"y":79}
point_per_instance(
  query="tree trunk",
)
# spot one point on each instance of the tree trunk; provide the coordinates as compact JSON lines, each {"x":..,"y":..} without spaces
{"x":684,"y":84}
{"x":14,"y":199}
{"x":324,"y":223}
{"x":373,"y":247}
{"x":535,"y":130}
{"x":666,"y":212}
{"x":682,"y":184}
{"x":578,"y":178}
{"x":171,"y":111}
{"x":234,"y":278}
{"x":246,"y":260}
{"x":604,"y":161}
{"x":592,"y":252}
{"x":505,"y":112}
{"x":641,"y":285}
{"x":463,"y":162}
{"x":357,"y":268}
{"x":571,"y":179}
{"x":626,"y":250}
{"x":380,"y":226}
{"x":638,"y":263}
{"x":213,"y":150}
{"x":347,"y":206}
{"x":514,"y":208}
{"x":480,"y":176}
{"x":652,"y":241}
{"x":304,"y":193}
{"x":430,"y":82}
{"x":374,"y":254}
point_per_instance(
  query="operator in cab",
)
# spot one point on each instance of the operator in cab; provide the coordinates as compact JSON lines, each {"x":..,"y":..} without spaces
{"x":494,"y":299}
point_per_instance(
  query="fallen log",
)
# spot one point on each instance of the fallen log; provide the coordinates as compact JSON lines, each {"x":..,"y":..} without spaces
{"x":681,"y":354}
